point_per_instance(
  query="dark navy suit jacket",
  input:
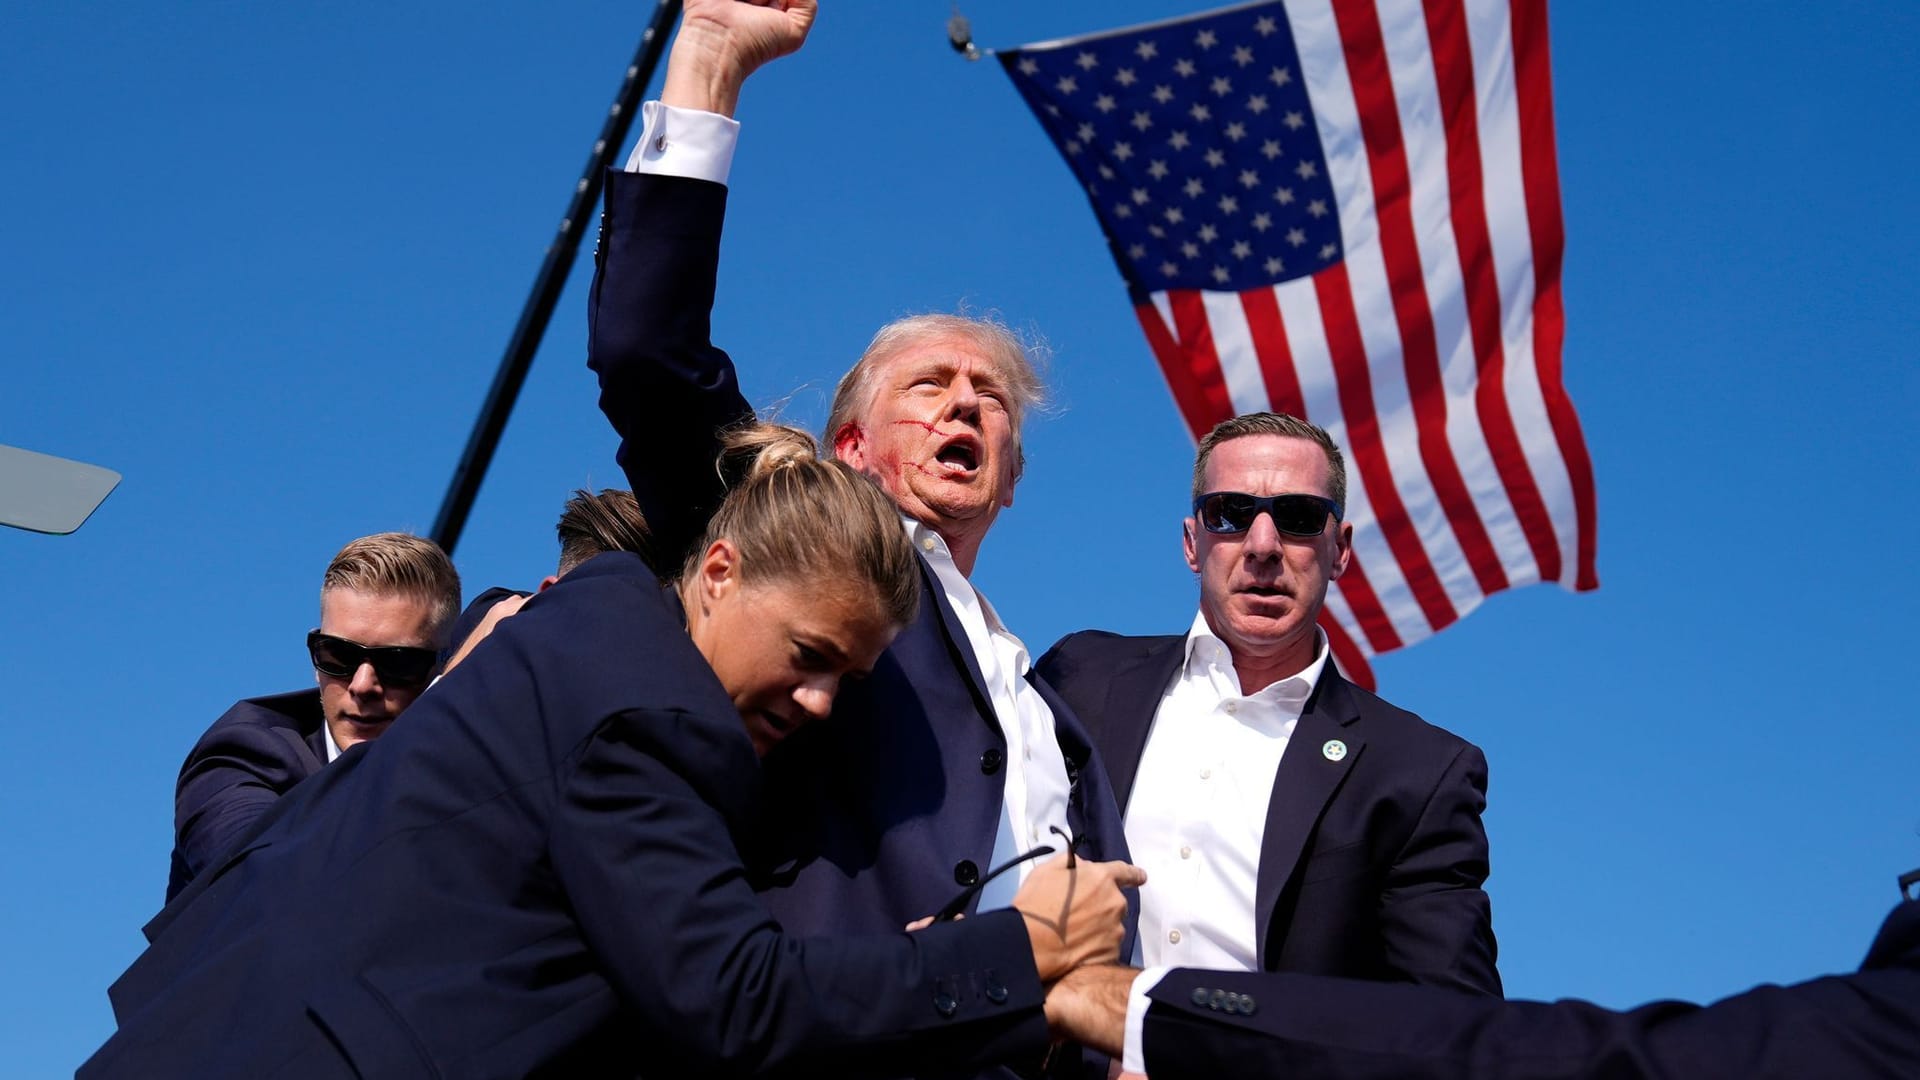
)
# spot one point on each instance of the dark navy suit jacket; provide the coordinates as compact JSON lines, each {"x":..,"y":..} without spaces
{"x":471,"y":616}
{"x":1842,"y":1027}
{"x":880,"y":814}
{"x":537,"y":874}
{"x":250,"y":757}
{"x":1370,"y":866}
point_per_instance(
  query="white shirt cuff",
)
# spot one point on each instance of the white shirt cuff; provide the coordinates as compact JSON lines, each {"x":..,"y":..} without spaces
{"x":1134,"y":1052}
{"x":684,"y":142}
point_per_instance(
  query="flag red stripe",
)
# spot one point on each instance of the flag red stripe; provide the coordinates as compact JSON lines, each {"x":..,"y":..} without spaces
{"x":1369,"y":455}
{"x":1188,"y":395}
{"x":1540,"y":175}
{"x":1393,"y":207}
{"x":1269,"y":336}
{"x":1190,"y":325}
{"x":1353,"y":663}
{"x":1453,"y":72}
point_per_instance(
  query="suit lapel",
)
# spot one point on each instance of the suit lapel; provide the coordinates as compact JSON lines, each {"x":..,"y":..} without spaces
{"x":957,"y":641}
{"x":1307,"y":778}
{"x":1133,"y":697}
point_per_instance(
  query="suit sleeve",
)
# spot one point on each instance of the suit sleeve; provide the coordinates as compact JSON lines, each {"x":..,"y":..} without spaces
{"x":1865,"y":1024}
{"x":1436,"y":923}
{"x":666,"y":389}
{"x":233,"y":776}
{"x":664,"y":903}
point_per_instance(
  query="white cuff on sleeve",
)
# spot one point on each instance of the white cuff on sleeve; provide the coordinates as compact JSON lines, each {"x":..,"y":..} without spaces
{"x":684,"y":142}
{"x":1134,"y":1056}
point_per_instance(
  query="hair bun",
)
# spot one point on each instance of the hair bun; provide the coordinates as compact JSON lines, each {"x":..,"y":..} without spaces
{"x":755,"y":449}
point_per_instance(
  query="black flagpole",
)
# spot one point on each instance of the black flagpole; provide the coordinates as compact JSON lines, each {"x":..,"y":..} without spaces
{"x":472,"y":469}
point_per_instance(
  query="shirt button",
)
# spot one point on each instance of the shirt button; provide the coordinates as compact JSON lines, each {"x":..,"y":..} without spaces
{"x":926,"y":543}
{"x":1173,"y":936}
{"x":660,"y":143}
{"x":1232,"y":707}
{"x":1186,"y":852}
{"x":1206,"y":774}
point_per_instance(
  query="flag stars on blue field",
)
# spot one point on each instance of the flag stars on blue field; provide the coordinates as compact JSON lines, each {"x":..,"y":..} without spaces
{"x":1155,"y":122}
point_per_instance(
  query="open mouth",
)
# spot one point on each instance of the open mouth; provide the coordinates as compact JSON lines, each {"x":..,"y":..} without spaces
{"x":962,"y":454}
{"x":1269,"y":591}
{"x":777,"y":724}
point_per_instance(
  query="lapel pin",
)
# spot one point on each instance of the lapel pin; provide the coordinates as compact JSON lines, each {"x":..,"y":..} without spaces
{"x":1334,"y":749}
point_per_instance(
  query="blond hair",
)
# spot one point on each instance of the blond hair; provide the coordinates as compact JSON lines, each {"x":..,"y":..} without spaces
{"x":390,"y":563}
{"x":1013,"y":358}
{"x":797,"y":517}
{"x":1272,"y":423}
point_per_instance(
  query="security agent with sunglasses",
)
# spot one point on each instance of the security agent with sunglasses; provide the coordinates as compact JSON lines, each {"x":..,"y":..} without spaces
{"x":1288,"y":820}
{"x":385,"y":605}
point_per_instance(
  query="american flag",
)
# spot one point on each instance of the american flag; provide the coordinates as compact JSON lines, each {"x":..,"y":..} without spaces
{"x":1350,"y":211}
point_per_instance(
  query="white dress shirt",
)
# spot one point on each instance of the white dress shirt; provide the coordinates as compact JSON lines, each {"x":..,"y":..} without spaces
{"x":333,"y":748}
{"x":700,"y":145}
{"x":1199,"y":805}
{"x":1034,"y":801}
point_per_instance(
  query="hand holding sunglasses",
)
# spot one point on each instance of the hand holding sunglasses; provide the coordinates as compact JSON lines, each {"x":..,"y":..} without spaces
{"x":1075,"y":912}
{"x":1294,"y":514}
{"x":401,"y":666}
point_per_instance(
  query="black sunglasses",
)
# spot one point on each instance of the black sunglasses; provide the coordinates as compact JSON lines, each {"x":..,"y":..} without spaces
{"x":397,"y":665}
{"x":1293,"y":514}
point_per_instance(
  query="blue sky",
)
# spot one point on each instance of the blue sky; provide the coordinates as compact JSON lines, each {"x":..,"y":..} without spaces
{"x":263,"y":258}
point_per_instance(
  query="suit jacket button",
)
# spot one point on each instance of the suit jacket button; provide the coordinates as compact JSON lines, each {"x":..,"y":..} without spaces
{"x":991,"y":761}
{"x":1217,"y":1000}
{"x":1199,"y":995}
{"x":965,"y":873}
{"x":1246,"y":1004}
{"x":945,"y":1005}
{"x":996,"y":993}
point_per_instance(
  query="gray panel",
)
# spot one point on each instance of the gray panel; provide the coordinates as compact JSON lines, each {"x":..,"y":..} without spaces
{"x":49,"y":494}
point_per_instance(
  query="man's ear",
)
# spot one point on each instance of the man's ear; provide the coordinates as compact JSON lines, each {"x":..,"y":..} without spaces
{"x":850,"y":445}
{"x":1342,"y":551}
{"x":548,"y":582}
{"x":1189,"y":542}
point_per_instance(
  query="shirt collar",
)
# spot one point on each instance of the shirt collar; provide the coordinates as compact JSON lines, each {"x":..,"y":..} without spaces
{"x":933,"y":547}
{"x":1205,"y":650}
{"x":333,"y":748}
